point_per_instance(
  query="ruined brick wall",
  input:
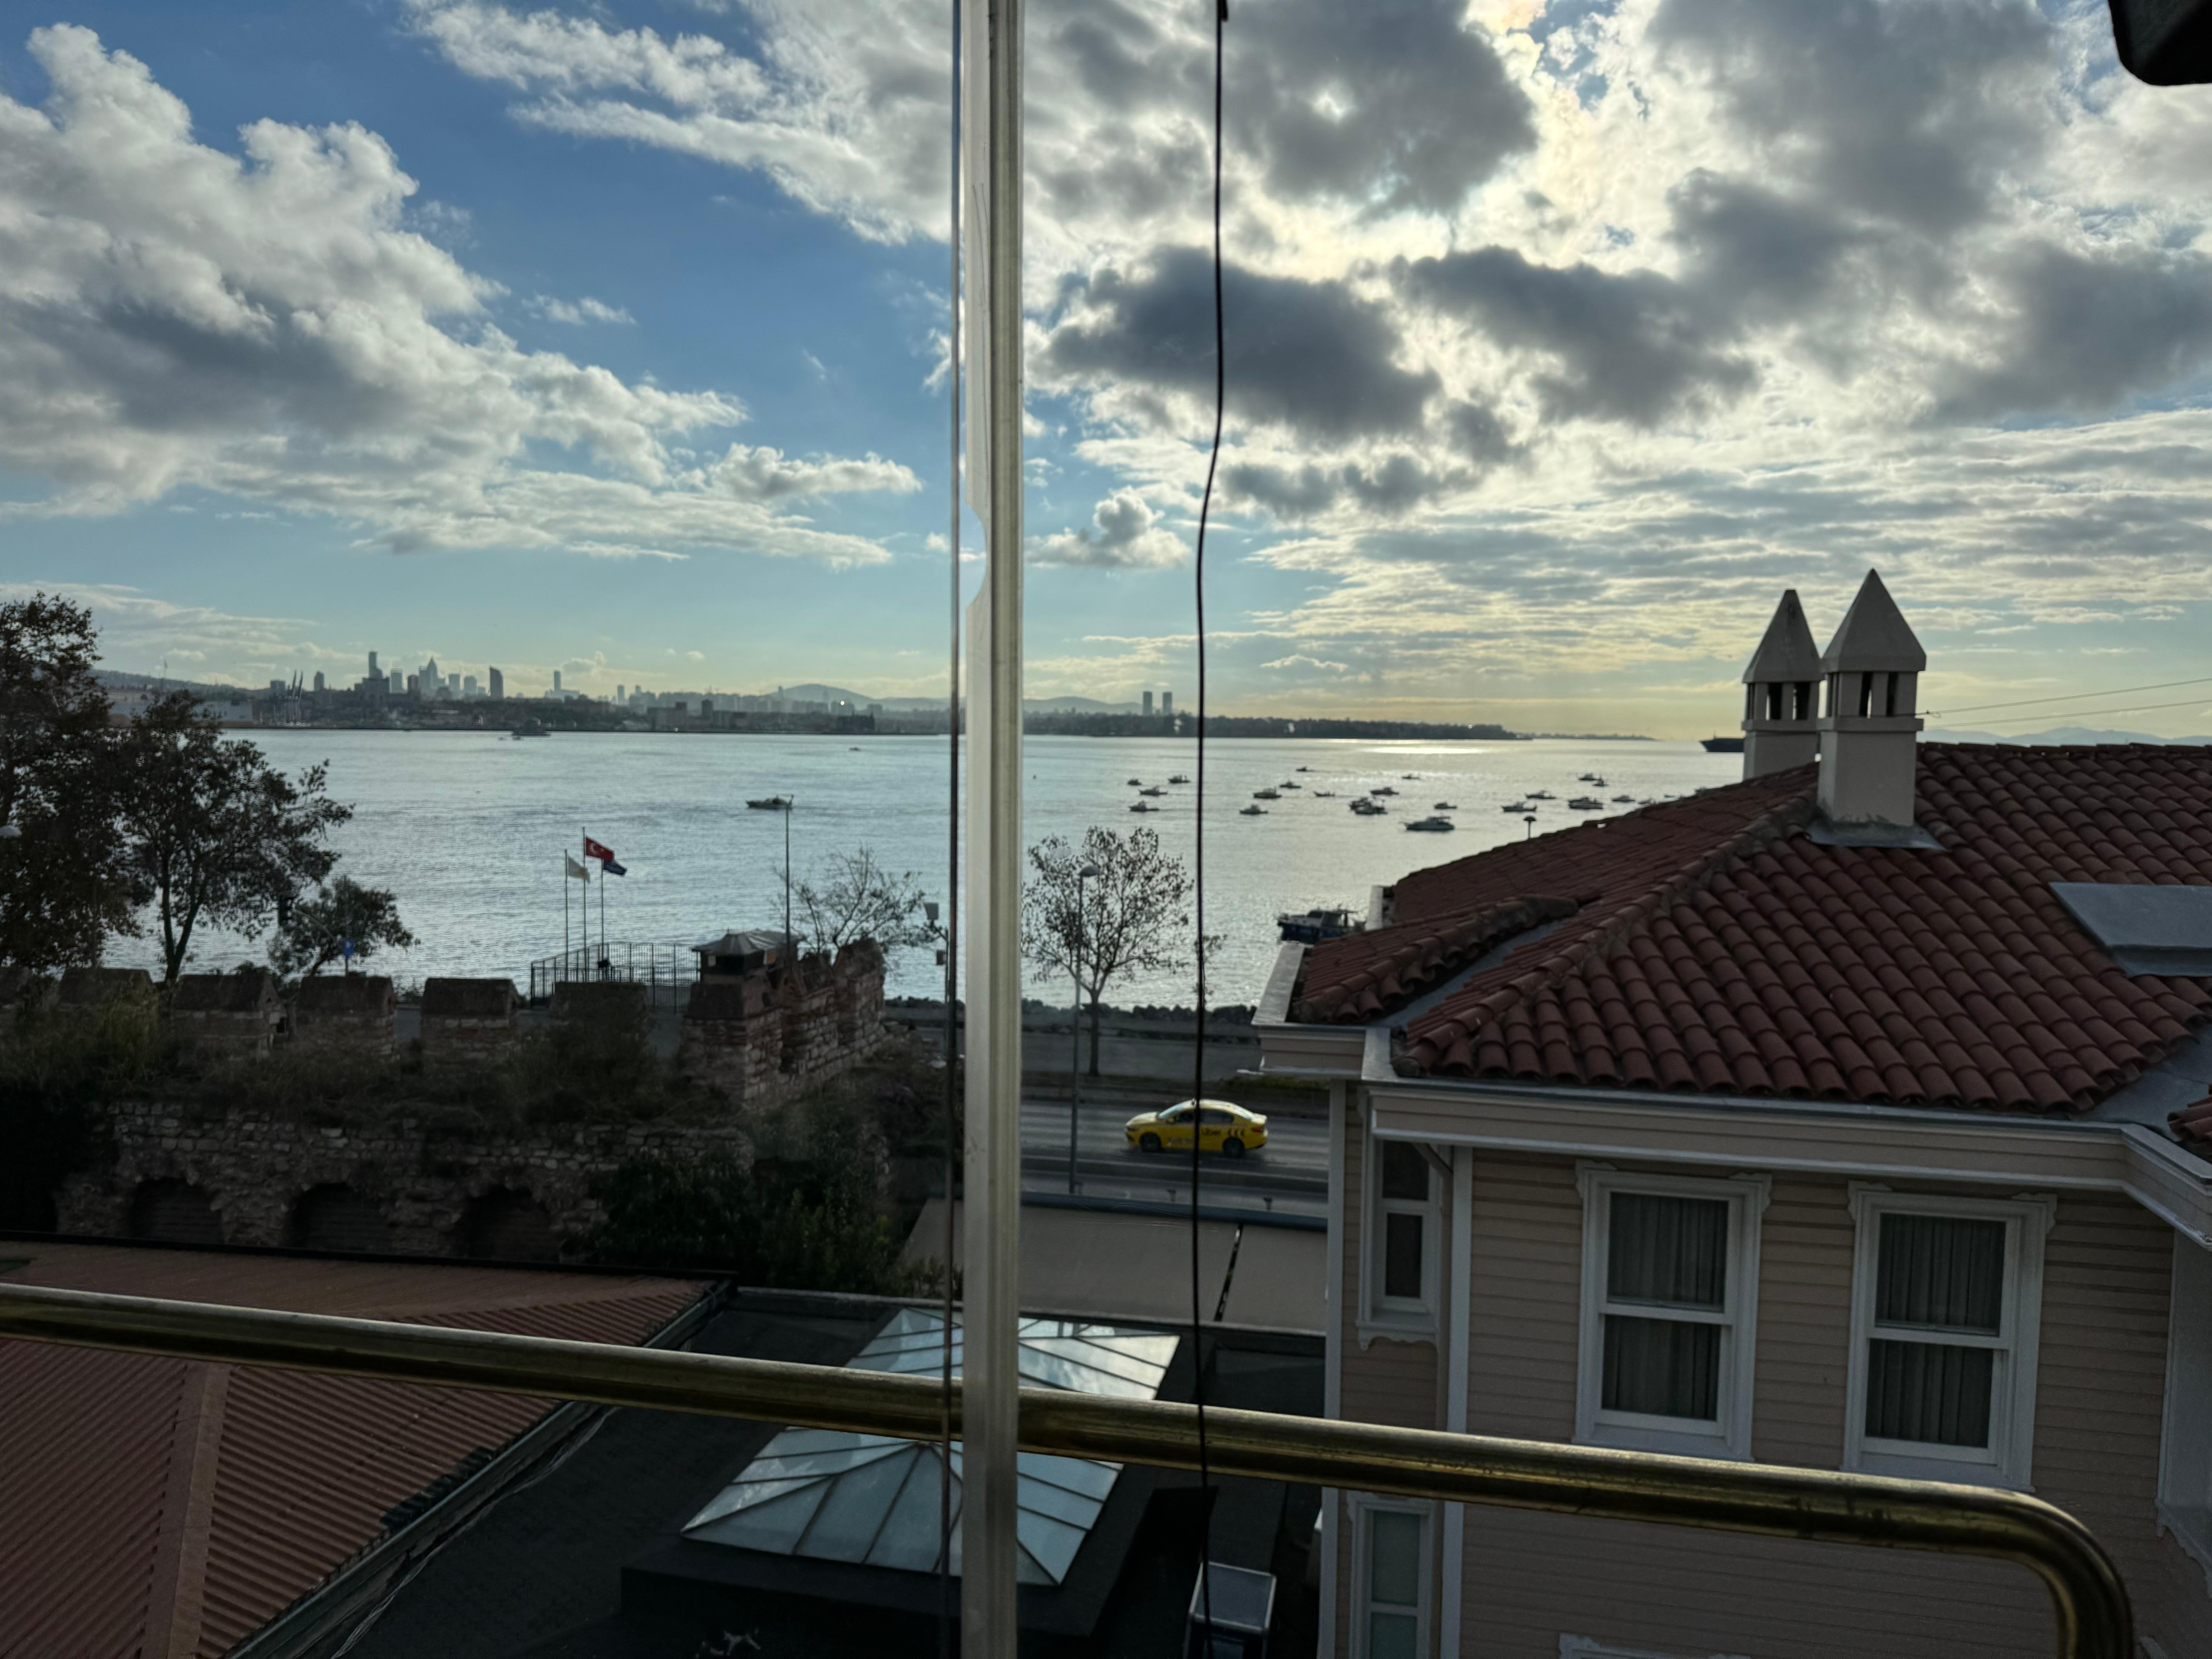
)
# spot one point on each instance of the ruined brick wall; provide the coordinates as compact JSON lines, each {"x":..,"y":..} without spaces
{"x":765,"y":1038}
{"x":425,"y":1179}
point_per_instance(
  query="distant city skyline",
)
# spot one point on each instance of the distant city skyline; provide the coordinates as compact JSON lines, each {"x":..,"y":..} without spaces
{"x":609,"y":343}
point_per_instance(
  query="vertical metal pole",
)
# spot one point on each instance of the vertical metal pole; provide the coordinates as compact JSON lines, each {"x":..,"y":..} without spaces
{"x":989,"y":1400}
{"x":1075,"y":1040}
{"x":947,"y":1642}
{"x":790,"y":805}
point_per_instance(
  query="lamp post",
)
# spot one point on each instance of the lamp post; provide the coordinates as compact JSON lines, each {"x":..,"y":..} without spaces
{"x":1530,"y":834}
{"x":1075,"y":1061}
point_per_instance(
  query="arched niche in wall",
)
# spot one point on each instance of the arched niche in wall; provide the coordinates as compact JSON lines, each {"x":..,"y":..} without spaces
{"x":334,"y":1217}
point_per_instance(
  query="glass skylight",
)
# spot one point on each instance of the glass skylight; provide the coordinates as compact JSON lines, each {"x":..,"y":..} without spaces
{"x":865,"y":1498}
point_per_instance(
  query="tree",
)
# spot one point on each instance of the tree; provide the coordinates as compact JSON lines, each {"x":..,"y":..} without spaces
{"x":314,"y":935}
{"x":1133,"y":917}
{"x":61,"y":878}
{"x":211,"y":831}
{"x":858,"y":898}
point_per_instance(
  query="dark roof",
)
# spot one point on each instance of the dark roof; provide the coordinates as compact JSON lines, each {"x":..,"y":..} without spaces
{"x":86,"y":986}
{"x":1719,"y":948}
{"x":468,"y":999}
{"x":343,"y":994}
{"x":120,"y":1463}
{"x":222,"y":993}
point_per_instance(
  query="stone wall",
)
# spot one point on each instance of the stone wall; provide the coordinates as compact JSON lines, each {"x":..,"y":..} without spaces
{"x":766,"y":1037}
{"x":438,"y":1192}
{"x":468,"y":1020}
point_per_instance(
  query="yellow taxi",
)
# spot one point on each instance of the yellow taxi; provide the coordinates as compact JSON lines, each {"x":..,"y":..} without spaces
{"x":1222,"y":1127}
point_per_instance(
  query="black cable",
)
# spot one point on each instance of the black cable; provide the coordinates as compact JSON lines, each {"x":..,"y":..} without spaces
{"x":952,"y":904}
{"x":1198,"y":1044}
{"x":2066,"y":696}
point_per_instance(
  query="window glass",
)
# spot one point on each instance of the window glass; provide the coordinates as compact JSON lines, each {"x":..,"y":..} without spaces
{"x":1405,"y":1172}
{"x":1941,"y":1273}
{"x":1662,"y":1368}
{"x":1394,"y":1584}
{"x":1928,"y":1392}
{"x":1401,"y":1256}
{"x":1672,"y":1252}
{"x":1215,"y":1114}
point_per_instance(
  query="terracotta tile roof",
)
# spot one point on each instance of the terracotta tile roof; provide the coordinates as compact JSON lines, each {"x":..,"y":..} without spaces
{"x":2192,"y":1124}
{"x":167,"y":1506}
{"x":1719,"y":949}
{"x":1362,"y":976}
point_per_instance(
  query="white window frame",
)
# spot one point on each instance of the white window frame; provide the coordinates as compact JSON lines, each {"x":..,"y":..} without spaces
{"x":1730,"y":1434}
{"x":1395,"y":1316}
{"x":1590,"y":1647}
{"x":2008,"y":1460}
{"x":1365,"y":1508}
{"x":2184,"y":1462}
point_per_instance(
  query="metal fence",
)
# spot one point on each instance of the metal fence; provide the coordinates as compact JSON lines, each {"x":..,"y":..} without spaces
{"x":665,"y":970}
{"x":2094,"y":1619}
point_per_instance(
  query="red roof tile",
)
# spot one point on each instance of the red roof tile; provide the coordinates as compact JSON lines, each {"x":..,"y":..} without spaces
{"x":166,"y":1506}
{"x":1719,"y":949}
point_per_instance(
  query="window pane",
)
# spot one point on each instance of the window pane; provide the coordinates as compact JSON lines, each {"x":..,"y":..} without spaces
{"x":1401,"y":1256}
{"x":1405,"y":1172}
{"x":1942,"y":1272}
{"x":1394,"y":1558}
{"x":1929,"y":1392}
{"x":1663,"y":1368}
{"x":1392,"y":1635}
{"x":1672,"y":1251}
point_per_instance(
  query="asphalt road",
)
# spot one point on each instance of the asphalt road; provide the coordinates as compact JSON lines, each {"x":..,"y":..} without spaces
{"x":1290,"y":1172}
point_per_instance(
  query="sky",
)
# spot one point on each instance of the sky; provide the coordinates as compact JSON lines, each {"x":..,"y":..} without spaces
{"x":1562,"y":337}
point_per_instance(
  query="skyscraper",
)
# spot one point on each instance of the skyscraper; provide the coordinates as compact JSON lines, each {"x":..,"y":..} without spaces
{"x":373,"y":673}
{"x":397,"y":684}
{"x":1167,"y":702}
{"x":557,"y":682}
{"x":498,"y":686}
{"x":1148,"y":705}
{"x":318,"y":679}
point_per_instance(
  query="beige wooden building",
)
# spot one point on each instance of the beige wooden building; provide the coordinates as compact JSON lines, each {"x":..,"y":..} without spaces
{"x":1841,"y":1117}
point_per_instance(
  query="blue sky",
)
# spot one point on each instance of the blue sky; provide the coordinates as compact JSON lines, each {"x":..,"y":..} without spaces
{"x":1561,"y":340}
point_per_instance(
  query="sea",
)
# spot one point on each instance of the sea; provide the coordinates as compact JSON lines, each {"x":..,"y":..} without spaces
{"x":468,"y":829}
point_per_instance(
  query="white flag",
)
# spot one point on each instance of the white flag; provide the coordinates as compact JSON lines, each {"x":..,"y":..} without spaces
{"x":572,"y":868}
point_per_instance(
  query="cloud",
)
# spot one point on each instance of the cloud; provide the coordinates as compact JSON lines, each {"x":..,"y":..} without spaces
{"x":262,"y":323}
{"x":580,"y":311}
{"x":1311,"y":355}
{"x":1124,"y":534}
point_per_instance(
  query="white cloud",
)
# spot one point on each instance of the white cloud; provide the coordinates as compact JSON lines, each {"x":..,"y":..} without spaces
{"x":577,"y":312}
{"x":1123,"y":534}
{"x":263,"y":323}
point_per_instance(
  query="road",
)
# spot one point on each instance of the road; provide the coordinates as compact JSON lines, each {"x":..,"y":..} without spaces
{"x":1290,"y":1172}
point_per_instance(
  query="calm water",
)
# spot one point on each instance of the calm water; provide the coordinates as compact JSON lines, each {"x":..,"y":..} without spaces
{"x":468,"y":829}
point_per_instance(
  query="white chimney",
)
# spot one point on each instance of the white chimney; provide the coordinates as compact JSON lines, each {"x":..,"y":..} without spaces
{"x":1869,"y":738}
{"x":1781,"y":694}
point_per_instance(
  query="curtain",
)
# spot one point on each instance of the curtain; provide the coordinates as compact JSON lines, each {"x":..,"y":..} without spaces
{"x":1662,"y":1252}
{"x":1662,"y":1368}
{"x":1935,"y":1273}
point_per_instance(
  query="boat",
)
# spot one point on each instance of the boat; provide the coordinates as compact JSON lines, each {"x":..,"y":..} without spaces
{"x":1369,"y":809}
{"x":1251,"y":811}
{"x":773,"y":804}
{"x":1445,"y":807}
{"x":1314,"y":926}
{"x":1385,"y":790}
{"x":1431,"y":825}
{"x":1621,"y":799}
{"x":1588,"y":777}
{"x":1541,"y":794}
{"x":1586,"y":804}
{"x":1154,"y":790}
{"x":1143,"y":806}
{"x":1267,"y":794}
{"x":1722,"y":745}
{"x":1324,"y":794}
{"x":1599,"y":782}
{"x":1136,"y":783}
{"x":1409,"y":777}
{"x":1287,"y":784}
{"x":1520,"y":806}
{"x":1178,"y":778}
{"x":1305,"y":769}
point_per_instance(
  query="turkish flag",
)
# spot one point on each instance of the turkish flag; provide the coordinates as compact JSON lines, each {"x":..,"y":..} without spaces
{"x":593,"y":850}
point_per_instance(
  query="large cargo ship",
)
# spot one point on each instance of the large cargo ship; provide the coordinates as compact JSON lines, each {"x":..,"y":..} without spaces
{"x":1724,"y":745}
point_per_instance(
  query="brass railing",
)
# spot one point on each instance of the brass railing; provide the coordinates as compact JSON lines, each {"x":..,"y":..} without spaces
{"x":2094,"y":1621}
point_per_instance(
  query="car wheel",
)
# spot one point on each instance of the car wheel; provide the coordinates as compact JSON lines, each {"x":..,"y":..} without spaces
{"x":1232,"y":1149}
{"x":1148,"y":1143}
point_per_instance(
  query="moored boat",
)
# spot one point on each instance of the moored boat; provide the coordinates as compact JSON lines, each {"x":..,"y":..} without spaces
{"x":1431,"y":825}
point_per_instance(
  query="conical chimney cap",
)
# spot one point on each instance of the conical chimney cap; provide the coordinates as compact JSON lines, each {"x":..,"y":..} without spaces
{"x":1875,"y":637}
{"x":1787,"y":654}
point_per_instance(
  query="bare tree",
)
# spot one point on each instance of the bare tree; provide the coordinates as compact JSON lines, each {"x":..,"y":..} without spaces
{"x":856,"y":897}
{"x":1133,"y":913}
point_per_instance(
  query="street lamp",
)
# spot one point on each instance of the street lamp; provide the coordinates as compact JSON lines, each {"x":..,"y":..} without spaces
{"x":1531,"y":821}
{"x":1075,"y":1064}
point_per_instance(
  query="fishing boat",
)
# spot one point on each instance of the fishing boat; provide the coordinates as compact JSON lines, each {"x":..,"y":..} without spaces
{"x":1178,"y":778}
{"x":1628,"y":799}
{"x":1314,"y":926}
{"x":1324,"y":794}
{"x":1287,"y":784}
{"x":1369,"y":809}
{"x":1599,"y":782}
{"x":1586,"y":804}
{"x":1520,"y":806}
{"x":1445,"y":807}
{"x":1385,"y":790}
{"x":1136,"y":783}
{"x":1586,"y":777}
{"x":1541,"y":794}
{"x":1251,"y":811}
{"x":772,"y":804}
{"x":1155,"y":791}
{"x":1305,"y":769}
{"x":1267,"y":794}
{"x":1433,"y":826}
{"x":1143,"y":806}
{"x":1409,"y":777}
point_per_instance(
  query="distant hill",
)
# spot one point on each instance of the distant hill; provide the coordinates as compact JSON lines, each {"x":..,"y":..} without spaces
{"x":2056,"y":734}
{"x":815,"y":691}
{"x":117,"y":679}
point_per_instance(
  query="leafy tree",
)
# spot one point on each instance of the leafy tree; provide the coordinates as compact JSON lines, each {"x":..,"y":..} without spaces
{"x":859,"y":898}
{"x":61,"y":886}
{"x":211,"y":831}
{"x":314,"y":936}
{"x":1133,"y":914}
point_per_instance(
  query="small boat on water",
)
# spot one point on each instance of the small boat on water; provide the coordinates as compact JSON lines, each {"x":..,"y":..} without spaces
{"x":1445,"y":807}
{"x":1251,"y":811}
{"x":1314,"y":926}
{"x":1599,"y":782}
{"x":1520,"y":806}
{"x":1409,"y":777}
{"x":1143,"y":806}
{"x":1722,"y":745}
{"x":1385,"y":790}
{"x":1586,"y":777}
{"x":1431,"y":825}
{"x":1287,"y":784}
{"x":1177,"y":778}
{"x":1541,"y":794}
{"x":1619,"y":800}
{"x":1154,"y":790}
{"x":1324,"y":794}
{"x":1369,"y":809}
{"x":772,"y":804}
{"x":1136,"y":783}
{"x":1301,"y":769}
{"x":1586,"y":804}
{"x":1267,"y":794}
